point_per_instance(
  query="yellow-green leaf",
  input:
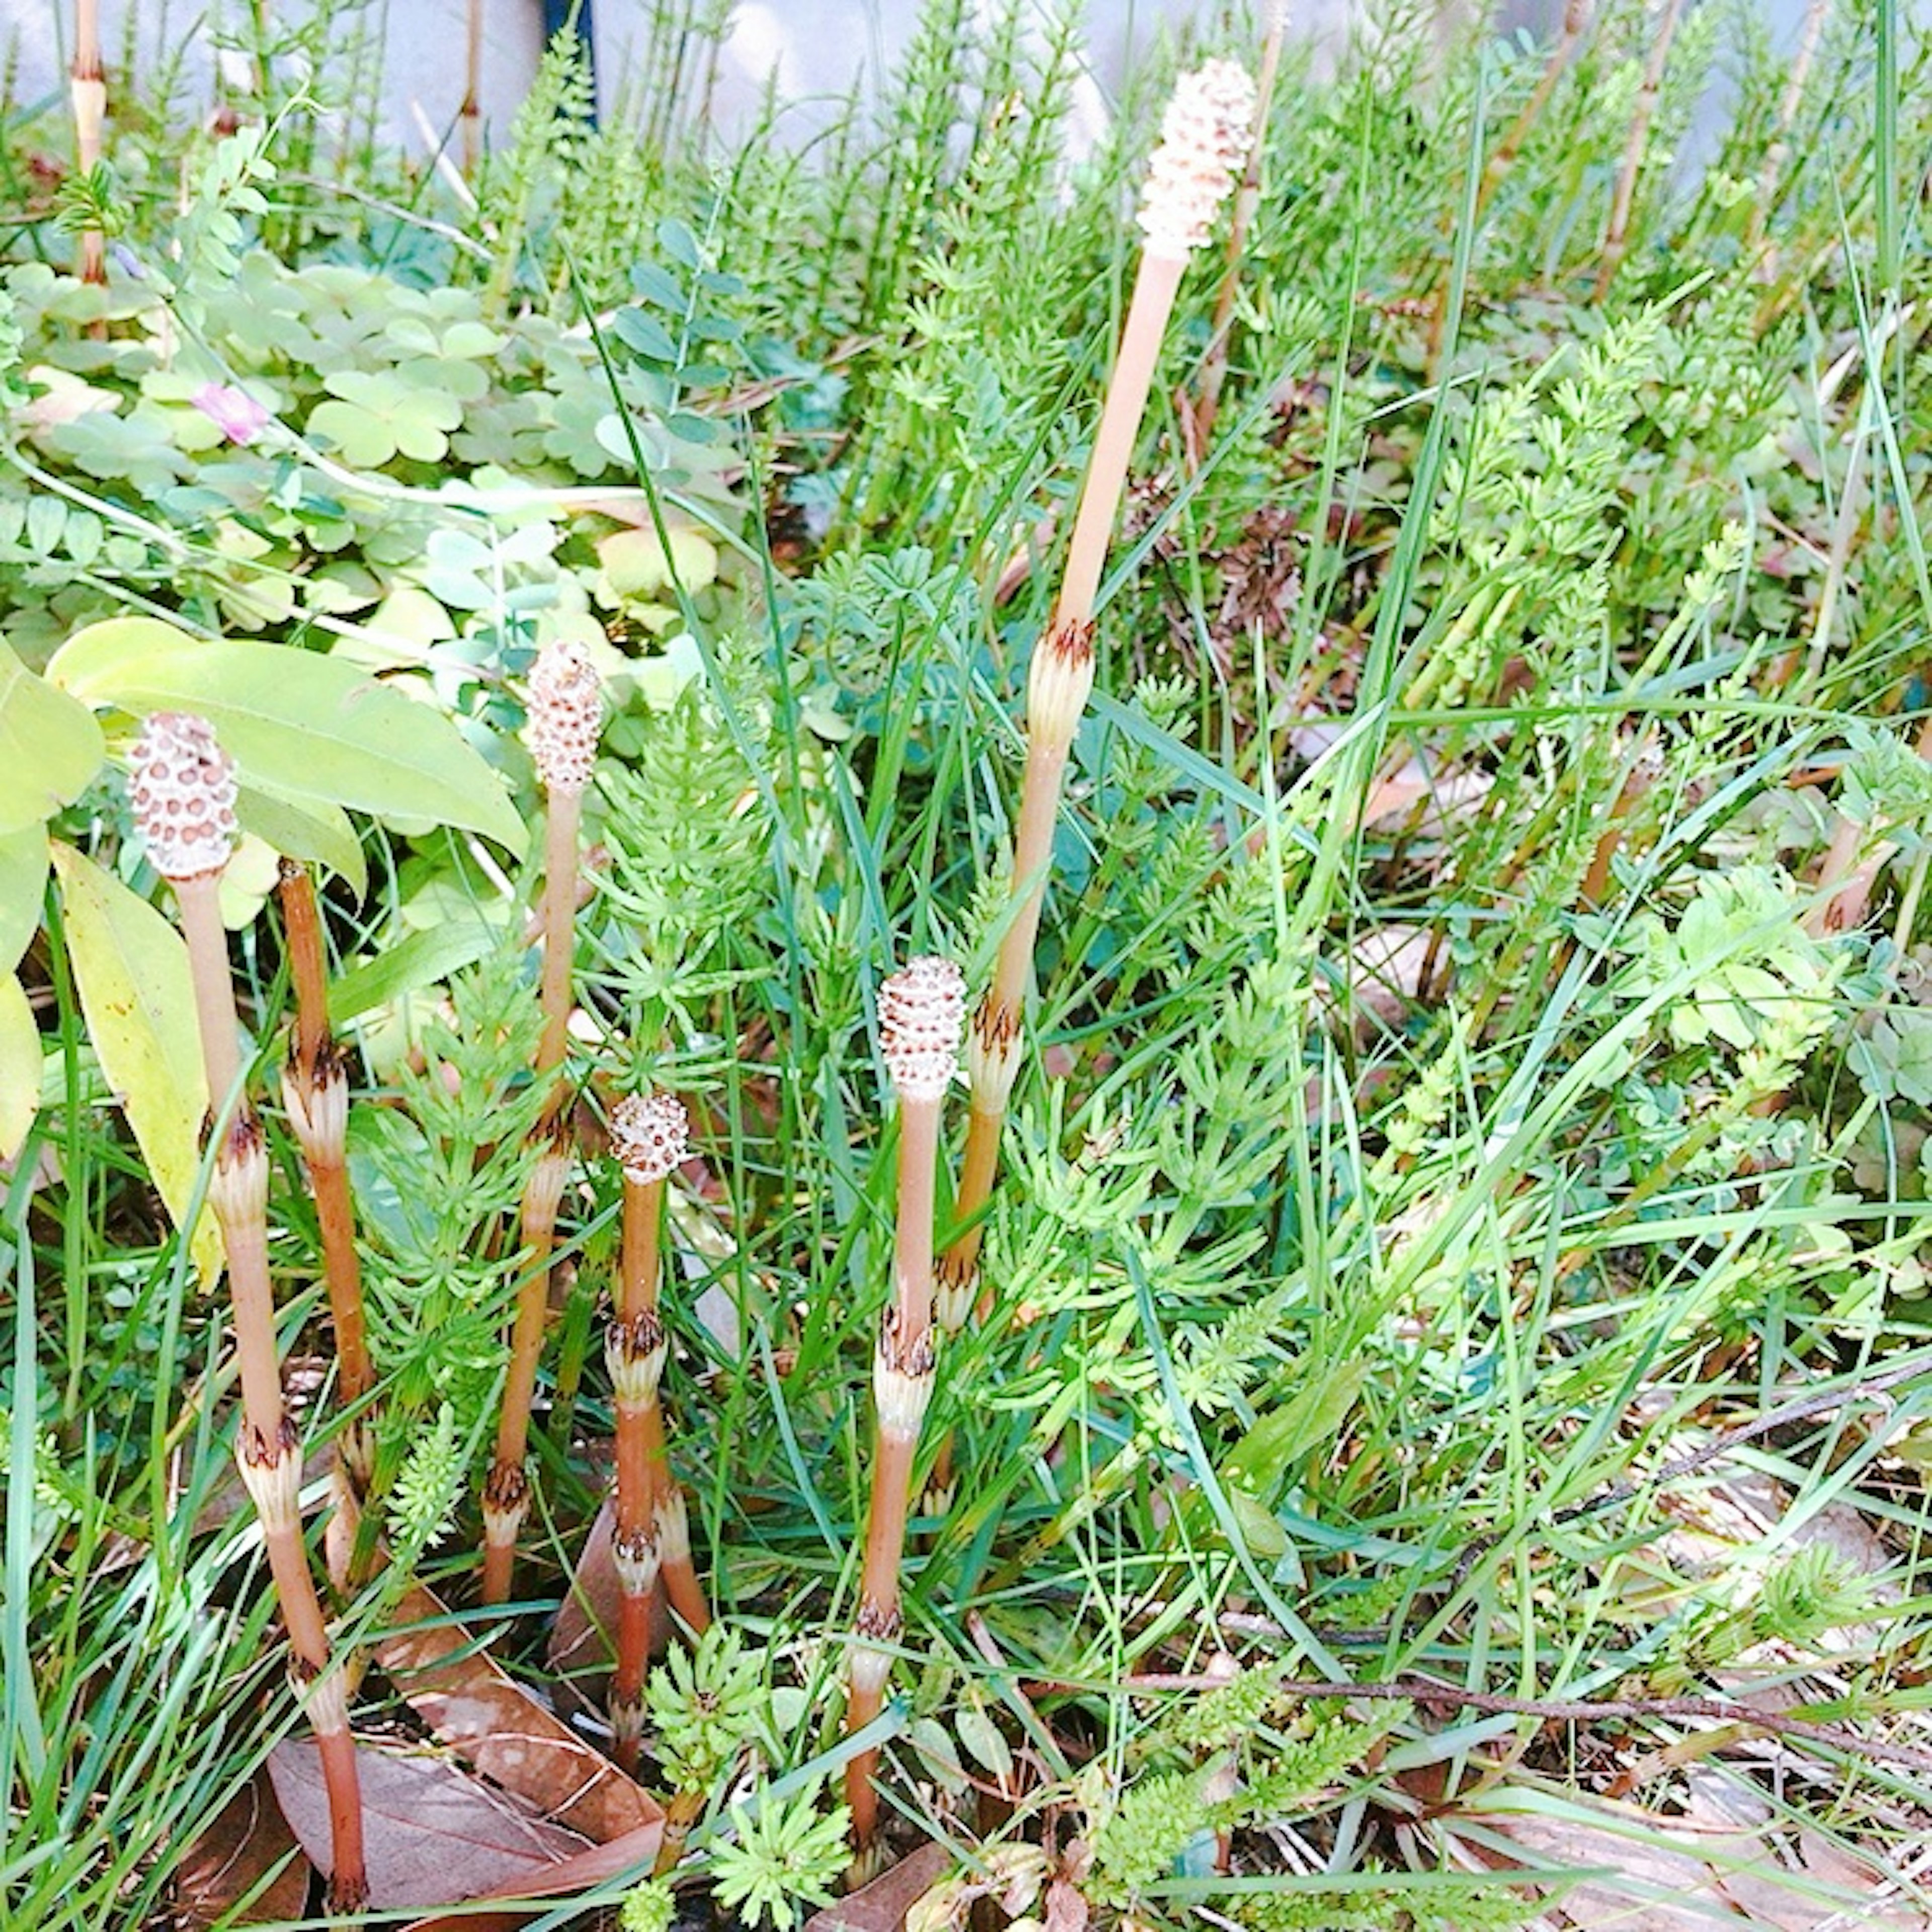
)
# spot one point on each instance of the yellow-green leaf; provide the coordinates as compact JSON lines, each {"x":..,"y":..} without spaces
{"x":311,"y":727}
{"x":131,"y":968}
{"x":19,"y":1067}
{"x":304,"y":828}
{"x":634,"y":563}
{"x":23,"y":878}
{"x":50,"y":746}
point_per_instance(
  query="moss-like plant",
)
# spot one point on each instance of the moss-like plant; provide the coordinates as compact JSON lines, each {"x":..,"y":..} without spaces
{"x":566,"y":713}
{"x":921,"y":1009}
{"x":1204,"y":138}
{"x":183,"y":790}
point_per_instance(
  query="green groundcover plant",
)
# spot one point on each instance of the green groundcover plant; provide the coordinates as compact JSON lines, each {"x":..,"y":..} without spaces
{"x":913,"y":999}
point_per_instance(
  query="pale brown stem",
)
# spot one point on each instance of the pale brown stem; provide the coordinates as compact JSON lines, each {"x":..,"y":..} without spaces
{"x":904,"y":1364}
{"x":1247,"y":201}
{"x":683,"y":1811}
{"x":1597,"y":879}
{"x":1837,"y":880}
{"x":641,"y":1265}
{"x":1155,"y":287}
{"x":472,"y":111}
{"x":637,"y":1302}
{"x":1779,"y":151}
{"x":267,"y":1437}
{"x":252,"y":1304}
{"x":1576,"y":20}
{"x":879,"y":1619}
{"x":978,"y":1166}
{"x":912,"y":1235}
{"x":314,"y":1063}
{"x":335,"y":1217}
{"x":89,"y":88}
{"x":506,"y":1485}
{"x":308,"y":969}
{"x":1616,"y":236}
{"x":559,"y":928}
{"x":676,"y":1571}
{"x":200,"y":904}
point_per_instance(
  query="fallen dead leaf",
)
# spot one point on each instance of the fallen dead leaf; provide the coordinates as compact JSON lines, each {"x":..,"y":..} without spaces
{"x":882,"y":1906}
{"x":435,"y":1834}
{"x":597,"y":1865}
{"x":232,"y":1861}
{"x":1653,"y":1874}
{"x":499,"y":1728}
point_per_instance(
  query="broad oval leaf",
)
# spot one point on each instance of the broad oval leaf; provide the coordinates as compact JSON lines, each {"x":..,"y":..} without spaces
{"x":304,"y":828}
{"x":19,"y":1067}
{"x":130,"y":967}
{"x":23,"y":879}
{"x":50,"y":746}
{"x":310,"y":728}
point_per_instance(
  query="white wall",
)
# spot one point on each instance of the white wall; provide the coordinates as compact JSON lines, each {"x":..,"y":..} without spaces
{"x":818,"y":47}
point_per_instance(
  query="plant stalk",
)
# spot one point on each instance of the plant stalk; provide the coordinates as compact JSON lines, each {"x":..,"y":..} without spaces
{"x":315,"y":1084}
{"x":87,"y":87}
{"x":1617,"y":235}
{"x":902,"y":1378}
{"x":1056,"y":696}
{"x":1247,"y":201}
{"x":268,"y":1448}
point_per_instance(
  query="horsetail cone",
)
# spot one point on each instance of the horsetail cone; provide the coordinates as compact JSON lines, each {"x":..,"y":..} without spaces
{"x":566,"y":712}
{"x":921,"y":1017}
{"x":182,"y":788}
{"x":650,"y":1136}
{"x":1203,"y":145}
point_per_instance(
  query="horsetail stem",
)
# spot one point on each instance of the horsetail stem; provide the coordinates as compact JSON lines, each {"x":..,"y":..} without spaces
{"x":650,"y":1135}
{"x":1204,"y":138}
{"x":566,"y":716}
{"x":183,"y":792}
{"x":922,"y":1010}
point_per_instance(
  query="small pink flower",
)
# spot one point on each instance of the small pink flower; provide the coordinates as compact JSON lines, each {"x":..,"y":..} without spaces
{"x":233,"y":411}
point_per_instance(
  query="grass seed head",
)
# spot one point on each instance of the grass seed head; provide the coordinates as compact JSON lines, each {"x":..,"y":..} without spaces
{"x":183,"y":789}
{"x":566,"y":706}
{"x":922,"y":1014}
{"x":1203,"y":141}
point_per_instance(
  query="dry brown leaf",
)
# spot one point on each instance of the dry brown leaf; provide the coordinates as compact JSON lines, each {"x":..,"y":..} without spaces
{"x":479,"y":1711}
{"x":1661,"y":1875}
{"x":595,"y":1865}
{"x":499,"y":1728}
{"x":435,"y":1834}
{"x":882,"y":1906}
{"x":248,"y":1840}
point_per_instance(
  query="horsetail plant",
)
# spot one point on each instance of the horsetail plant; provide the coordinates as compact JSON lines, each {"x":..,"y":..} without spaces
{"x":1204,"y":138}
{"x":87,"y":84}
{"x":649,"y":1136}
{"x":183,"y":791}
{"x":566,"y":716}
{"x":315,"y":1091}
{"x":1247,"y":201}
{"x":922,"y":1012}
